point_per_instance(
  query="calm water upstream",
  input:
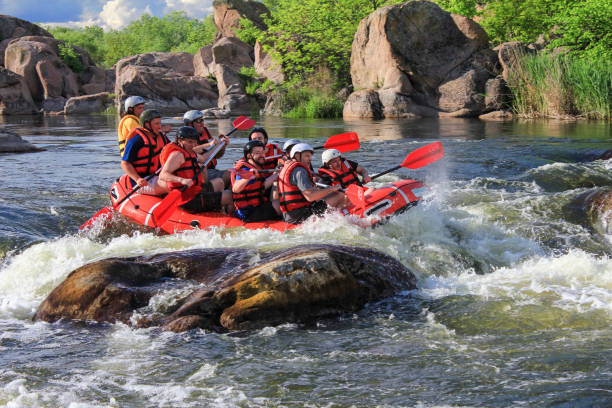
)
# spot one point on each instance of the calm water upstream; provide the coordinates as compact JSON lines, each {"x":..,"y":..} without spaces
{"x":514,"y":306}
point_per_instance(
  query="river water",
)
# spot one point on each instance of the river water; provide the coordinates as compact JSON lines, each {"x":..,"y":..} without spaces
{"x":514,"y":305}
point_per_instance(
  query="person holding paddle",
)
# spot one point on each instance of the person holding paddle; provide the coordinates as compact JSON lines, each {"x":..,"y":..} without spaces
{"x":272,"y":152}
{"x":181,"y":167}
{"x":299,"y":198}
{"x":254,"y":197}
{"x":141,"y":156}
{"x":206,"y":143}
{"x":338,"y":170}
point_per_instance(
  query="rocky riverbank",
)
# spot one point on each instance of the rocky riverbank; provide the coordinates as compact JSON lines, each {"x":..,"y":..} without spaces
{"x":408,"y":60}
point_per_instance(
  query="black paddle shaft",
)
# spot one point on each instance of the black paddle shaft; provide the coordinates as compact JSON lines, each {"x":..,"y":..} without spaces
{"x":385,"y":172}
{"x":149,"y":177}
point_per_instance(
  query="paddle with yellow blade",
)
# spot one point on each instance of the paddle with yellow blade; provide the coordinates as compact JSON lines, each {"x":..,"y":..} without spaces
{"x":168,"y":205}
{"x":421,"y":157}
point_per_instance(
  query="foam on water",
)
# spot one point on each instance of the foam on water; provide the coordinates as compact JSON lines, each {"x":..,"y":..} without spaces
{"x":575,"y":287}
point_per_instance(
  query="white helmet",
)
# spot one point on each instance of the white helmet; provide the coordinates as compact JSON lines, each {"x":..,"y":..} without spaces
{"x":192,"y":115}
{"x":133,"y":101}
{"x":299,"y":148}
{"x":290,"y":143}
{"x":330,"y":154}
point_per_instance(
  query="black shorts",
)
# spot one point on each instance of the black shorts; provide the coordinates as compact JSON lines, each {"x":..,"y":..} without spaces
{"x":264,"y":212}
{"x":301,"y":214}
{"x":206,"y":200}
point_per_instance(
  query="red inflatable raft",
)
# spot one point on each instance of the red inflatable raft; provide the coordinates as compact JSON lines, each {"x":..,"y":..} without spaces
{"x":378,"y":205}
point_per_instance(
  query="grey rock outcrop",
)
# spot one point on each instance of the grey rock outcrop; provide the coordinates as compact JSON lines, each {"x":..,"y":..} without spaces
{"x":224,"y":290}
{"x":266,"y":66}
{"x":15,"y":97}
{"x":422,"y":61}
{"x":166,"y":79}
{"x":227,"y":15}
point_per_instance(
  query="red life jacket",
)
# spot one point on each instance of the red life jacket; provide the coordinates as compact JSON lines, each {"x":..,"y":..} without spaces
{"x":344,"y":177}
{"x":253,"y":193}
{"x":291,"y":198}
{"x":190,"y":169}
{"x":271,"y":150}
{"x":147,"y":157}
{"x":206,"y":137}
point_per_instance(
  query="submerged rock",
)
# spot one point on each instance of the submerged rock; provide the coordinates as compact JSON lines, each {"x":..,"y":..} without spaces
{"x":231,"y":291}
{"x":11,"y":142}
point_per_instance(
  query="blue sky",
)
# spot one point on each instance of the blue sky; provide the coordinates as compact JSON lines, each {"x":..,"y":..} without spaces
{"x":106,"y":13}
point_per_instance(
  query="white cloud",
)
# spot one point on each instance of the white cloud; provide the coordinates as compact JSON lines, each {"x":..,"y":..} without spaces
{"x":116,"y":14}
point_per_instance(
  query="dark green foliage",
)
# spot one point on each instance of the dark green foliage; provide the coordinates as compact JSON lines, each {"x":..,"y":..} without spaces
{"x":171,"y":33}
{"x":70,"y":57}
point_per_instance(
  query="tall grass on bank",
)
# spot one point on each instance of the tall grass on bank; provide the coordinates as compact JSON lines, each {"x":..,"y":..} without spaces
{"x":311,"y":104}
{"x":549,"y":85}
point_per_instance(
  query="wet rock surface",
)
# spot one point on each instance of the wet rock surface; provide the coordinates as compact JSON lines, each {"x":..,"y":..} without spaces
{"x":11,"y":142}
{"x":227,"y":289}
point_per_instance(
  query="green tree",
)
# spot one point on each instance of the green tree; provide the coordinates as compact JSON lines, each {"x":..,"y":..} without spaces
{"x":586,"y":28}
{"x":89,"y":38}
{"x":307,"y":35}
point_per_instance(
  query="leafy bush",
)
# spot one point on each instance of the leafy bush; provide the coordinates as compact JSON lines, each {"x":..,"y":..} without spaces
{"x":70,"y":57}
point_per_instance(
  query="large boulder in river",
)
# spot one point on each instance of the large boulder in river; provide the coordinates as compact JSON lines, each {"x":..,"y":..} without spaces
{"x":49,"y":78}
{"x":596,"y":205}
{"x":224,"y":289}
{"x":227,"y":15}
{"x":11,"y":142}
{"x":94,"y":103}
{"x":425,"y":60}
{"x":15,"y":97}
{"x":166,"y":79}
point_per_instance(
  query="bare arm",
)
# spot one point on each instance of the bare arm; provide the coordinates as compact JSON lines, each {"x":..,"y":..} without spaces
{"x":239,"y":185}
{"x":363,"y":173}
{"x":316,"y":194}
{"x":132,"y":173}
{"x":175,"y":160}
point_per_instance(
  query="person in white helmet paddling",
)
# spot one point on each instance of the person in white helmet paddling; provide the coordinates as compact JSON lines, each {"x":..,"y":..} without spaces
{"x":299,"y":197}
{"x":206,"y":142}
{"x":338,"y":170}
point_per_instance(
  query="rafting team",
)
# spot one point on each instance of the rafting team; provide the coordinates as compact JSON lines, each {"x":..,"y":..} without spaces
{"x":266,"y":184}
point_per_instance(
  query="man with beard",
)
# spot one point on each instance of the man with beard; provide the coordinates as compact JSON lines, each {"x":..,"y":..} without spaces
{"x":252,"y":187}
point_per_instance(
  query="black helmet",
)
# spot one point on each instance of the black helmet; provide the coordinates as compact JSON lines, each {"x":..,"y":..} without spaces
{"x":148,"y":115}
{"x":187,"y":132}
{"x":259,"y":130}
{"x":248,"y":148}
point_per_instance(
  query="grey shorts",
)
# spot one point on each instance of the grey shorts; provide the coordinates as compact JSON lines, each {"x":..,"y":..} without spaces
{"x":214,"y":173}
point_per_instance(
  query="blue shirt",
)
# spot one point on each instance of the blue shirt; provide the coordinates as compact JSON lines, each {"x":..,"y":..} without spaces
{"x":244,"y":211}
{"x":132,"y":147}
